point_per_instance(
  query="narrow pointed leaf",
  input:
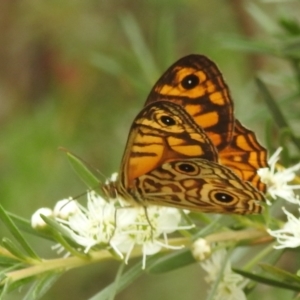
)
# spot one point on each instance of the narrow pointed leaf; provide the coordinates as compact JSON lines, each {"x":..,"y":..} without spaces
{"x":175,"y":260}
{"x":16,"y":233}
{"x":138,"y":44}
{"x":41,"y":286}
{"x":107,"y":64}
{"x":126,"y":279}
{"x":278,"y":116}
{"x":268,"y":281}
{"x":8,"y":244}
{"x":25,"y":225}
{"x":55,"y":226}
{"x":83,"y":172}
{"x":280,"y":274}
{"x":62,"y":236}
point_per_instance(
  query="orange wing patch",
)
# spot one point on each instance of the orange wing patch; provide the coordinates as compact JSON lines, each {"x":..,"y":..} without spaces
{"x":163,"y":132}
{"x":196,"y":83}
{"x":245,"y":155}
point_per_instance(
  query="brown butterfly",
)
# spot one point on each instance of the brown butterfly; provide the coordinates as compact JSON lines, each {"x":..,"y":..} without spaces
{"x":186,"y":150}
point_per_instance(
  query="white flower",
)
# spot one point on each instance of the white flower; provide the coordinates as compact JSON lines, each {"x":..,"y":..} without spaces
{"x":92,"y":225}
{"x":66,"y":207}
{"x":110,"y":224}
{"x":228,"y":291}
{"x":201,"y":249}
{"x":145,"y":229}
{"x":289,"y":235}
{"x":230,"y":286}
{"x":36,"y":221}
{"x":277,"y":179}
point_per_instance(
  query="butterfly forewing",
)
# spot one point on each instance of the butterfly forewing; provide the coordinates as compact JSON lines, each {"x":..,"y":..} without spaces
{"x":196,"y":83}
{"x":162,"y":132}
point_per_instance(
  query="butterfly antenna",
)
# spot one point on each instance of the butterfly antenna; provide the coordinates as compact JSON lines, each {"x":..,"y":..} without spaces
{"x":81,"y":194}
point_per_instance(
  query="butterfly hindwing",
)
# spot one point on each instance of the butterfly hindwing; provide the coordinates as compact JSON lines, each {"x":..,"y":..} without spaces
{"x":198,"y":185}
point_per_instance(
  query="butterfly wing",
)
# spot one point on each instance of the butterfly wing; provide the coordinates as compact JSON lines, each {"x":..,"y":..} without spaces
{"x":198,"y":185}
{"x":161,"y":132}
{"x":196,"y":83}
{"x":245,"y":155}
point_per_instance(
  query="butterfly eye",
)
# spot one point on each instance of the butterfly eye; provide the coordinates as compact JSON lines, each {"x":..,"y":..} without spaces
{"x":168,"y":121}
{"x":190,"y":81}
{"x":223,"y":197}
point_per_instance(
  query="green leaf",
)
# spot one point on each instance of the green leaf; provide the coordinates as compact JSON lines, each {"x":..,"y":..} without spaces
{"x":267,"y":281}
{"x":268,"y":136}
{"x":16,"y":233}
{"x":4,"y":272}
{"x":216,"y":223}
{"x":8,"y":287}
{"x":278,"y":117}
{"x":165,"y":39}
{"x":7,"y":261}
{"x":272,"y":105}
{"x":4,"y":290}
{"x":258,"y":47}
{"x":62,"y":236}
{"x":296,"y":67}
{"x":280,"y":274}
{"x":41,"y":286}
{"x":291,"y":26}
{"x":285,"y":157}
{"x":262,"y":18}
{"x":55,"y":226}
{"x":126,"y":279}
{"x":139,"y":47}
{"x":25,"y":225}
{"x":83,"y":172}
{"x":8,"y":244}
{"x":116,"y":282}
{"x":106,"y":64}
{"x":171,"y":262}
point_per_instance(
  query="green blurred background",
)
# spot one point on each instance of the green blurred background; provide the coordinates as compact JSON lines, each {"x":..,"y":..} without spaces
{"x":74,"y":74}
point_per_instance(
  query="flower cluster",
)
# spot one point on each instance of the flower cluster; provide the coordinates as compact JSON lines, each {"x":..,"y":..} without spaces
{"x":230,"y":285}
{"x":111,"y":225}
{"x":277,"y":180}
{"x":289,"y":235}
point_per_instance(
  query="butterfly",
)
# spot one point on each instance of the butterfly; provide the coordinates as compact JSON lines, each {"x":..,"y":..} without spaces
{"x":185,"y":148}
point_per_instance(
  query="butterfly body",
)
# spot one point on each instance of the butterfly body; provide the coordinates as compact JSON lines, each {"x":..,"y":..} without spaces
{"x":186,"y":150}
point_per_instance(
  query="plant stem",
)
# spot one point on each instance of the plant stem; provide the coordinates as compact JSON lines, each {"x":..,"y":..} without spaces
{"x":238,"y":236}
{"x":62,"y":264}
{"x":59,"y":264}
